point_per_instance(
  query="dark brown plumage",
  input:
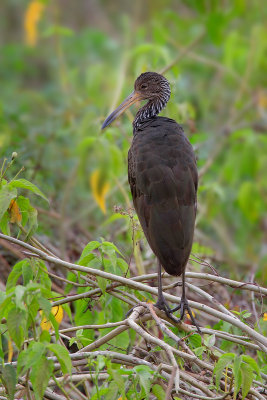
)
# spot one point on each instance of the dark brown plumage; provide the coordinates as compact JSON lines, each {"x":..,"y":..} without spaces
{"x":163,"y":179}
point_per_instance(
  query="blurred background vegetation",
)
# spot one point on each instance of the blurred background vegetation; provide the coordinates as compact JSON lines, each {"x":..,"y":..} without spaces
{"x":66,"y":64}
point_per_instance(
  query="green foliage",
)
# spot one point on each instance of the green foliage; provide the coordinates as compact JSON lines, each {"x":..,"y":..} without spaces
{"x":8,"y":379}
{"x":54,"y":97}
{"x":243,"y":368}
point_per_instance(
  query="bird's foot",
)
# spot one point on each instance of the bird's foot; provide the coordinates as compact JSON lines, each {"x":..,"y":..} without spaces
{"x":184,"y":306}
{"x":162,"y":304}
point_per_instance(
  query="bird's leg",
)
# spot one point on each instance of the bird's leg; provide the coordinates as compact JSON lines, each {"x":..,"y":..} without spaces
{"x":185,"y":306}
{"x":161,"y":303}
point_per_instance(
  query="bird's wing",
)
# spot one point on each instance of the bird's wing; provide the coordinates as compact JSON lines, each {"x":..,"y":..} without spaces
{"x":163,"y":181}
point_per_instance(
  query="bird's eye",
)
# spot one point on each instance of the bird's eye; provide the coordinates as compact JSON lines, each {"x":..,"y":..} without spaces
{"x":144,"y":86}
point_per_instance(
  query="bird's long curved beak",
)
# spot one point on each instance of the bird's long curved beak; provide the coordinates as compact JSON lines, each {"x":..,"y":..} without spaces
{"x":131,"y":99}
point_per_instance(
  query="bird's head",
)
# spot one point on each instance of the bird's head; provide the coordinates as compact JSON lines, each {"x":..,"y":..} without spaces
{"x":148,"y":86}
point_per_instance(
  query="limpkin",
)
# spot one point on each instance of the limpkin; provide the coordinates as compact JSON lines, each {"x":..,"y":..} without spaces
{"x":163,"y":178}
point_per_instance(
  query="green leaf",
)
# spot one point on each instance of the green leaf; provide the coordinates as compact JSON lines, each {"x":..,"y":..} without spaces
{"x":19,"y":295}
{"x":15,"y":274}
{"x":89,"y":248}
{"x":237,"y":375}
{"x":145,"y":376}
{"x":210,"y":340}
{"x":108,"y":246}
{"x":7,"y":193}
{"x":159,"y":392}
{"x":16,"y":323}
{"x":4,"y":223}
{"x":118,"y":379}
{"x":40,"y":376}
{"x":87,"y":252}
{"x":122,"y":264}
{"x":32,"y":223}
{"x":199,"y":351}
{"x":27,"y":273}
{"x":249,"y":360}
{"x":30,"y":357}
{"x":195,"y":340}
{"x":24,"y":184}
{"x":45,"y":337}
{"x":8,"y":378}
{"x":247,"y":378}
{"x":45,"y":305}
{"x":62,"y":355}
{"x":246,"y":315}
{"x":102,"y":283}
{"x":223,"y":361}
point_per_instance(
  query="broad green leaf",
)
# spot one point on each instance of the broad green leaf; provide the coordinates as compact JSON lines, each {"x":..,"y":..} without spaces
{"x":199,"y":351}
{"x":62,"y":355}
{"x":15,"y":274}
{"x":16,"y":323}
{"x":237,"y":375}
{"x":40,"y":376}
{"x":102,"y":283}
{"x":210,"y":340}
{"x":249,"y":360}
{"x":24,"y":184}
{"x":195,"y":340}
{"x":145,"y":376}
{"x":45,"y":305}
{"x":7,"y":193}
{"x":113,"y":392}
{"x":8,"y":378}
{"x":19,"y":295}
{"x":223,"y":361}
{"x":45,"y":337}
{"x":27,"y":273}
{"x":89,"y":248}
{"x":159,"y":392}
{"x":32,"y":223}
{"x":4,"y":223}
{"x":30,"y":357}
{"x":108,"y":247}
{"x":122,"y":264}
{"x":118,"y":379}
{"x":102,"y":394}
{"x":247,"y":378}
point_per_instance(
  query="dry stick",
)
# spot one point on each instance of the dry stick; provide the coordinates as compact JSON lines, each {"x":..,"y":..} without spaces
{"x":219,"y":334}
{"x":209,"y":277}
{"x":161,"y":325}
{"x":160,"y":368}
{"x":105,"y":376}
{"x":168,"y":349}
{"x":185,"y":376}
{"x":170,"y":384}
{"x":260,"y":339}
{"x":118,"y":357}
{"x":210,"y":298}
{"x":198,"y":275}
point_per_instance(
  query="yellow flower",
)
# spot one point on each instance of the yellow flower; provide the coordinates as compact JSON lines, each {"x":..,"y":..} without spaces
{"x":32,"y":17}
{"x":10,"y":350}
{"x":58,"y":313}
{"x":265,"y":316}
{"x":15,"y":215}
{"x":99,"y":189}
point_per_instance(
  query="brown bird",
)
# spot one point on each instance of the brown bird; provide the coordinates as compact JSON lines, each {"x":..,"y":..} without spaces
{"x":163,"y":178}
